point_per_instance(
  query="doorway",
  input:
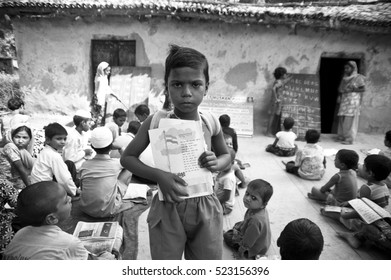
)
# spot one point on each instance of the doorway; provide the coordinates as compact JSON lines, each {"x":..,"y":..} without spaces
{"x":330,"y":75}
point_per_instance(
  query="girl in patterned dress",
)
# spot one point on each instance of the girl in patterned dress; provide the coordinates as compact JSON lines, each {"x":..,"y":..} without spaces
{"x":8,"y":195}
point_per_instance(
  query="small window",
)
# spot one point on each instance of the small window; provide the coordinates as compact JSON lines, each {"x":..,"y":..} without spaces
{"x":114,"y":52}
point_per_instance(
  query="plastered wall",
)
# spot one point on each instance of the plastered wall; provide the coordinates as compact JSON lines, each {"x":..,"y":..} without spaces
{"x":55,"y":61}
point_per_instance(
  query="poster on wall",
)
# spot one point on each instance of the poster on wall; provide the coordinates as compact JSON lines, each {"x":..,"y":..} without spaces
{"x":131,"y":85}
{"x":301,"y":101}
{"x":240,"y":109}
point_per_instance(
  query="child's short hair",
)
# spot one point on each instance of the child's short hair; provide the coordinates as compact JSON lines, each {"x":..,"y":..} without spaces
{"x":185,"y":57}
{"x":77,"y":120}
{"x":279,"y":72}
{"x":133,"y":127}
{"x":379,"y":165}
{"x":225,"y":120}
{"x":119,"y":113}
{"x":15,"y":103}
{"x":388,"y":136}
{"x":288,"y":123}
{"x":54,"y":129}
{"x":141,"y":110}
{"x":301,"y":239}
{"x":36,"y":201}
{"x":22,"y":128}
{"x":348,"y":157}
{"x":312,"y":136}
{"x":263,"y":188}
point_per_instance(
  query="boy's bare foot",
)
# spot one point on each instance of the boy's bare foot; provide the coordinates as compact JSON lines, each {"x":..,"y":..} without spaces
{"x":350,"y":238}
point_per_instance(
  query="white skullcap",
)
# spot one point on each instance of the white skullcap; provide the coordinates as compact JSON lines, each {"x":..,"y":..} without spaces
{"x":101,"y":137}
{"x":83,"y":113}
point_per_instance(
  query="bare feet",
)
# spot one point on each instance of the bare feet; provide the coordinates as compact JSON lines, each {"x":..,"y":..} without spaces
{"x":350,"y":238}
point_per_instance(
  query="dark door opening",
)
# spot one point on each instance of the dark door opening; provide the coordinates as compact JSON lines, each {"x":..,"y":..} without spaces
{"x":330,"y":75}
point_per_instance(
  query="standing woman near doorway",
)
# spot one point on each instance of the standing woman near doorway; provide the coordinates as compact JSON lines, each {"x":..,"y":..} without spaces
{"x":102,"y":91}
{"x":351,"y":90}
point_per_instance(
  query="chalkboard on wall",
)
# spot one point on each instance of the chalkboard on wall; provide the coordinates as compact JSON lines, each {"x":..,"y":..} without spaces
{"x":301,"y":101}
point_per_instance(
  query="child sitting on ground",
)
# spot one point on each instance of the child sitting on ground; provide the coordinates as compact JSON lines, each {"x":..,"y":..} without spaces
{"x":342,"y":186}
{"x":310,"y":161}
{"x":15,"y":161}
{"x":252,"y":236}
{"x":50,"y":165}
{"x":387,"y":153}
{"x":301,"y":239}
{"x":225,"y":122}
{"x":284,"y":145}
{"x":377,"y":168}
{"x":119,"y":118}
{"x":121,"y":142}
{"x":225,"y":186}
{"x":142,"y":112}
{"x":40,"y":208}
{"x":76,"y":149}
{"x":103,"y":179}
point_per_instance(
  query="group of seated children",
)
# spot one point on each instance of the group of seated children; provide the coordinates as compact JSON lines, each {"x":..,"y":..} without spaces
{"x":67,"y":162}
{"x":310,"y":164}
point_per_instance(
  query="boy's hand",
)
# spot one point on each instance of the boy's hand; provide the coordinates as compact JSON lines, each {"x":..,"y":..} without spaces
{"x":208,"y":160}
{"x":169,"y":186}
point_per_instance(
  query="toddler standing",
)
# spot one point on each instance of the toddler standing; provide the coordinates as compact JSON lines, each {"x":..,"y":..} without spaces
{"x":226,"y":186}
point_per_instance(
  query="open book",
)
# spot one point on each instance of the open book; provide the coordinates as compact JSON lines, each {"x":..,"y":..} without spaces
{"x":176,"y":146}
{"x":368,"y":210}
{"x":100,"y":237}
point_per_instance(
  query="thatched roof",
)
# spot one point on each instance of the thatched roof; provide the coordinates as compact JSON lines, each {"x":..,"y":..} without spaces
{"x":372,"y":17}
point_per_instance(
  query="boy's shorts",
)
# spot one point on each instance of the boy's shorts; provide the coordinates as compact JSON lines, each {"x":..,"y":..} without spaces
{"x":193,"y":226}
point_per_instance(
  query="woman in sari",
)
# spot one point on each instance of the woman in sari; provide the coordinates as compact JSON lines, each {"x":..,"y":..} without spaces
{"x":102,"y":91}
{"x":350,"y":90}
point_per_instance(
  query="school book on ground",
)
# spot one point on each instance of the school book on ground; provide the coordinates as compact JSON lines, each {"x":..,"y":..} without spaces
{"x":176,"y":146}
{"x":368,"y":210}
{"x":100,"y":237}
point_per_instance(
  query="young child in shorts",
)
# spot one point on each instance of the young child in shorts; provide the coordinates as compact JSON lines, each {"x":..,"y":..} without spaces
{"x":342,"y":186}
{"x":301,"y":239}
{"x":225,"y":186}
{"x":252,"y":236}
{"x":177,"y":225}
{"x":310,"y":161}
{"x":284,"y":145}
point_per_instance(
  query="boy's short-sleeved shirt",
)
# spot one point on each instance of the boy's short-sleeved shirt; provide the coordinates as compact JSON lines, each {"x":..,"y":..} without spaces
{"x":101,"y":195}
{"x":74,"y":147}
{"x":114,"y":128}
{"x":47,"y":242}
{"x":226,"y":181}
{"x":286,"y":139}
{"x":50,"y":163}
